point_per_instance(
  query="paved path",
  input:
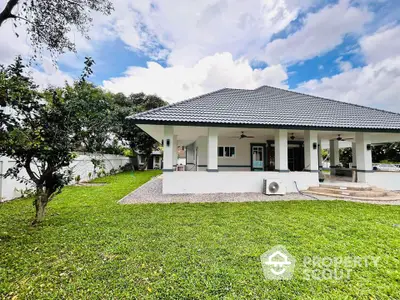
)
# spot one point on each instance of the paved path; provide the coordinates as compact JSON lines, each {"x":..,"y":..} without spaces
{"x":151,"y":192}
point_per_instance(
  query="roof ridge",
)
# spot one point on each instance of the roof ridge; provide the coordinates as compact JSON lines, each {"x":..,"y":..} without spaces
{"x":173,"y":104}
{"x":333,"y":100}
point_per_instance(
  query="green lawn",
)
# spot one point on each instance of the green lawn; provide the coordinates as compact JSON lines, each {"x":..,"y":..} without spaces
{"x":91,"y":247}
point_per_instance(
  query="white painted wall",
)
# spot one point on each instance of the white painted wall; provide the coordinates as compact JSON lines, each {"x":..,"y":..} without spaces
{"x":201,"y":145}
{"x":169,"y":153}
{"x":310,"y":154}
{"x":212,"y":149}
{"x":241,"y":161}
{"x":384,"y":180}
{"x":281,"y":150}
{"x":81,"y":166}
{"x":233,"y":182}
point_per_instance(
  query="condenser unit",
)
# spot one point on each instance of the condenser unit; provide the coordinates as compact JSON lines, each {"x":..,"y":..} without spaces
{"x":273,"y":187}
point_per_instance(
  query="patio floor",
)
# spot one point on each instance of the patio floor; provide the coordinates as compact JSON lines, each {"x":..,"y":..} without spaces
{"x":151,"y":192}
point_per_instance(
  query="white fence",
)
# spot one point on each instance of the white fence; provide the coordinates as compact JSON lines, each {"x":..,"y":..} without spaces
{"x":82,"y":166}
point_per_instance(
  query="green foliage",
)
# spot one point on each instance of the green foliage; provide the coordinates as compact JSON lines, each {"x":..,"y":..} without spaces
{"x":386,"y":161}
{"x":346,"y":156}
{"x":26,"y":192}
{"x":129,"y":153}
{"x":324,"y":153}
{"x":98,"y":165}
{"x":92,"y":106}
{"x":77,"y":178}
{"x":389,"y":152}
{"x":91,"y":247}
{"x":49,"y":23}
{"x":136,"y":138}
{"x":43,"y":130}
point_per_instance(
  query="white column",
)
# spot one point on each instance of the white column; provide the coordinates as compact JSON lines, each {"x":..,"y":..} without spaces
{"x":333,"y":155}
{"x":354,"y":155}
{"x":281,"y":150}
{"x":311,"y":150}
{"x":212,"y":150}
{"x":175,"y":158}
{"x":363,"y":156}
{"x":320,"y":164}
{"x":169,"y":149}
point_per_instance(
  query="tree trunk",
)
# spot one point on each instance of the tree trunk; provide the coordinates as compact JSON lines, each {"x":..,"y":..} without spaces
{"x":146,"y":161}
{"x":41,"y":201}
{"x":7,"y":11}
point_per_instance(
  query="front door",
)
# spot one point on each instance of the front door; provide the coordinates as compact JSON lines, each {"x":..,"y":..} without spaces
{"x":257,"y":157}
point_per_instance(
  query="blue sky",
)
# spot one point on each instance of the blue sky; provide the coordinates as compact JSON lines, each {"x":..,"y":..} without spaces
{"x":347,"y":50}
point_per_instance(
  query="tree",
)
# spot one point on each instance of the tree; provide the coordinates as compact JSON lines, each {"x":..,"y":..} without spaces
{"x":40,"y":133}
{"x":346,"y":156}
{"x":389,"y":153}
{"x":49,"y":23}
{"x":93,"y":107}
{"x":136,"y":138}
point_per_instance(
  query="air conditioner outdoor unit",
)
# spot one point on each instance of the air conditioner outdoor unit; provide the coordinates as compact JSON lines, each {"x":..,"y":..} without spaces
{"x":273,"y":187}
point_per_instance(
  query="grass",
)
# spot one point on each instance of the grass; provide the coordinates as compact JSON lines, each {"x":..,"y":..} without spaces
{"x":91,"y":247}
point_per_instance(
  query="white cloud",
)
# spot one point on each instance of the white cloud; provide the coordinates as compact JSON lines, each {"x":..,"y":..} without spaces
{"x":344,"y":66}
{"x":44,"y":75}
{"x":322,"y":31}
{"x":210,"y":73}
{"x":381,"y":45}
{"x":50,"y":75}
{"x":191,"y":30}
{"x":11,"y":45}
{"x":375,"y":85}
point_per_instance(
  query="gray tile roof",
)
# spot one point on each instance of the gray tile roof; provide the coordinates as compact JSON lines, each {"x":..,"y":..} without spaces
{"x":270,"y":107}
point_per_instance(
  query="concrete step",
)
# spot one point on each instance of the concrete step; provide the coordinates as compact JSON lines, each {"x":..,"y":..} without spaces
{"x":350,"y":192}
{"x":347,"y":186}
{"x":390,"y":196}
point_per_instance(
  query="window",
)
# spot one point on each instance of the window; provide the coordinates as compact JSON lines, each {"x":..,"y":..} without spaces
{"x":226,"y":151}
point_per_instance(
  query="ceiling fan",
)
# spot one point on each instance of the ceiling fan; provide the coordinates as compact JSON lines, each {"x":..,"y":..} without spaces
{"x":339,"y":138}
{"x":243,"y":136}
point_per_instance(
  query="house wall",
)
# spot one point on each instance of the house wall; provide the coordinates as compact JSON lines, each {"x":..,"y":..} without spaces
{"x":384,"y":180}
{"x":241,"y":161}
{"x":81,"y":166}
{"x":201,"y":146}
{"x":233,"y":182}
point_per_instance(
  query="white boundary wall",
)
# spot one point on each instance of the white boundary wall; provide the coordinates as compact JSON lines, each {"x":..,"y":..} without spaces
{"x":233,"y":182}
{"x":82,"y":166}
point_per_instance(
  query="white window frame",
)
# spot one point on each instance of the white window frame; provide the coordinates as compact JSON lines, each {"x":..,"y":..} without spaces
{"x":223,"y":151}
{"x":140,"y":160}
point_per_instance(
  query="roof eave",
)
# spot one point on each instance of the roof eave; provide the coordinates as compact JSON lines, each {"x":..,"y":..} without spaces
{"x":254,"y":125}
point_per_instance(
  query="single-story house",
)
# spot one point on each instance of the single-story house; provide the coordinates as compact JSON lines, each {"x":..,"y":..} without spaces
{"x":235,"y":138}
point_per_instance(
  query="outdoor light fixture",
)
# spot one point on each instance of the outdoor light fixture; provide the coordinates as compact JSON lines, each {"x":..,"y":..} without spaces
{"x":314,"y":146}
{"x":292,"y":137}
{"x":368,"y":147}
{"x":168,"y":142}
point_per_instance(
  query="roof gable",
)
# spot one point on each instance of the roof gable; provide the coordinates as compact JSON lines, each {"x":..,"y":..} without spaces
{"x":270,"y":107}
